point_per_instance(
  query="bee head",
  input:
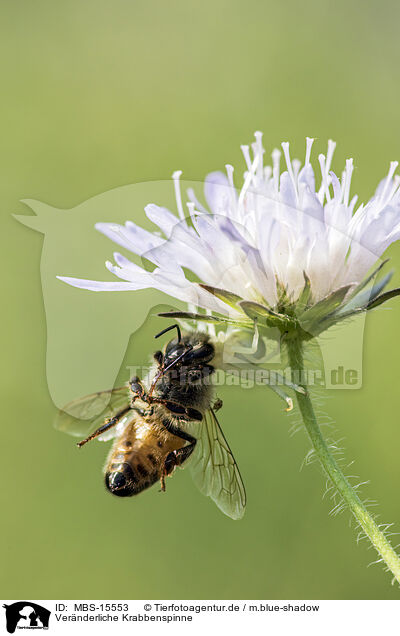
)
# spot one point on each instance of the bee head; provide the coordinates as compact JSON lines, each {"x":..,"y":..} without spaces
{"x":184,"y":358}
{"x":190,"y":350}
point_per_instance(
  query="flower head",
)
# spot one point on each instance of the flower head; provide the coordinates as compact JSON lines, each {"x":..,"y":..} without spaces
{"x":280,"y":251}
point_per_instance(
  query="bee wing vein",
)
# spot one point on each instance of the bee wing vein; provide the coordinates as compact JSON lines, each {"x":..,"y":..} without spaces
{"x":215,"y":471}
{"x":82,"y":416}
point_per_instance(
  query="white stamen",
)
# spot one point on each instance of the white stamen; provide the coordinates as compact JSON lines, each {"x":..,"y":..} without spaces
{"x":178,"y":196}
{"x":395,"y":187}
{"x":276,"y":158}
{"x":246,"y":154}
{"x":267,"y":173}
{"x":342,"y":184}
{"x":192,"y":209}
{"x":198,"y":205}
{"x":392,"y":169}
{"x":285,"y":146}
{"x":309,"y":143}
{"x":348,"y":172}
{"x":337,"y":188}
{"x":353,"y":203}
{"x":229,"y":172}
{"x":254,"y":149}
{"x":296,"y":167}
{"x":324,"y":190}
{"x":329,"y":154}
{"x":247,"y":181}
{"x":260,"y":152}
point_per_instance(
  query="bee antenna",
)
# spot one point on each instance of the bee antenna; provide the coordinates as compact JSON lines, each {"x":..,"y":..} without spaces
{"x":169,"y":329}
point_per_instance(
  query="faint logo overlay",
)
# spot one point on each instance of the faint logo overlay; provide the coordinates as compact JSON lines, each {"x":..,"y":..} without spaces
{"x":88,"y":332}
{"x":247,"y":378}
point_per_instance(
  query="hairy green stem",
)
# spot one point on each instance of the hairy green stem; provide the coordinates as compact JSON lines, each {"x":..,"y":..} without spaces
{"x":334,"y":473}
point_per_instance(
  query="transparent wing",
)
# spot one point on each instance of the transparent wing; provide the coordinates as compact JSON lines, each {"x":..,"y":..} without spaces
{"x":82,"y":416}
{"x":215,"y":471}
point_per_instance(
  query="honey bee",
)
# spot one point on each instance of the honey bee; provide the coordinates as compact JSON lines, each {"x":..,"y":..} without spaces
{"x":158,"y":424}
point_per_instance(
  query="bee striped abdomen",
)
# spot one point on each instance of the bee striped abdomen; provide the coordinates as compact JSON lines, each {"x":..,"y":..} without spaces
{"x":137,"y":458}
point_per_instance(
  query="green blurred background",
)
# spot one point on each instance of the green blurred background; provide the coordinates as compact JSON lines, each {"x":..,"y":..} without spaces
{"x":100,"y":94}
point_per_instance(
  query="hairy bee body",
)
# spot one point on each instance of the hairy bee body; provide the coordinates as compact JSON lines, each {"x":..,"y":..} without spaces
{"x":138,"y":455}
{"x":158,"y":423}
{"x":144,"y":452}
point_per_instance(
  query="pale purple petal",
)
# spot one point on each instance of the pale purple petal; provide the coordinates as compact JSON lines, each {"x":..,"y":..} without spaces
{"x":130,"y":236}
{"x":217,"y":192}
{"x":162,"y":217}
{"x":97,"y":285}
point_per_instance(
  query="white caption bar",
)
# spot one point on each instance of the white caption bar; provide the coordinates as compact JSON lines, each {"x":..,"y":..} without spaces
{"x":197,"y":617}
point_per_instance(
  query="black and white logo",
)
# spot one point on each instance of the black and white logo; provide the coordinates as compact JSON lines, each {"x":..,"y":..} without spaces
{"x":26,"y":615}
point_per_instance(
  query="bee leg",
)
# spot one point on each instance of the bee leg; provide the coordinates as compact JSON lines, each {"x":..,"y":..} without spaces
{"x":162,"y":481}
{"x":218,"y":404}
{"x":102,"y":429}
{"x":179,"y":409}
{"x":109,"y":423}
{"x":177,"y":457}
